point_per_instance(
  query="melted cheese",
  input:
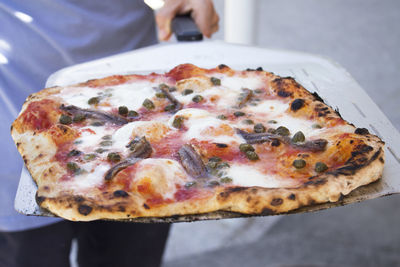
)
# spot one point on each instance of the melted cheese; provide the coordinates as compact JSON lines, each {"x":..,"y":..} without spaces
{"x":242,"y":175}
{"x":201,"y":125}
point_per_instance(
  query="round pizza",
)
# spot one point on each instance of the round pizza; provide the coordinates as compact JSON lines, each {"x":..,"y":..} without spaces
{"x":190,"y":141}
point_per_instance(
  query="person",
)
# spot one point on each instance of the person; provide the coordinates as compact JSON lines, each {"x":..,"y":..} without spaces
{"x":36,"y":39}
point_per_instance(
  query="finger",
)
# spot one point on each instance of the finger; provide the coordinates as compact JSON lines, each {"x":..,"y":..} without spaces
{"x":164,"y":17}
{"x":205,"y":16}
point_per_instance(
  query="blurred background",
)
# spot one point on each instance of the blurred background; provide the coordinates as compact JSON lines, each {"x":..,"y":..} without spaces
{"x":364,"y":37}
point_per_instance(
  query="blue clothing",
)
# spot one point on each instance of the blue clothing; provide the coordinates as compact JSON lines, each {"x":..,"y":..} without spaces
{"x":36,"y":39}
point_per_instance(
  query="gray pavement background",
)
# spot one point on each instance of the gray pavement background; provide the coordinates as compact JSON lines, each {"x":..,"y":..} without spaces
{"x":364,"y":37}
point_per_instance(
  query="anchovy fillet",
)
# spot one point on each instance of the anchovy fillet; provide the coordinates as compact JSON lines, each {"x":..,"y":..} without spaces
{"x":140,"y":149}
{"x":259,"y":138}
{"x":248,"y":94}
{"x":192,"y":162}
{"x":172,"y":99}
{"x":95,"y":114}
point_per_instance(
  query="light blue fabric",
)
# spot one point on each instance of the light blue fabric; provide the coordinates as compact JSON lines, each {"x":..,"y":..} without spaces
{"x":36,"y":39}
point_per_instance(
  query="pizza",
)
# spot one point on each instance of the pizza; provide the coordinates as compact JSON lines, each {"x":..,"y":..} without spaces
{"x":190,"y":141}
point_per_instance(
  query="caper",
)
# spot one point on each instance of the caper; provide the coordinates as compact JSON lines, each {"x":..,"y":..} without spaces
{"x":282,"y":130}
{"x":77,"y":142}
{"x":123,"y":110}
{"x":246,"y":147}
{"x":160,"y":95}
{"x":248,"y":121}
{"x":239,"y":113}
{"x":298,"y":137}
{"x":74,"y":153}
{"x":215,"y":81}
{"x":94,"y":101}
{"x":113,"y":157}
{"x":299,"y":163}
{"x":163,"y":86}
{"x":89,"y":156}
{"x":197,"y":98}
{"x":187,"y":92}
{"x":275,"y":142}
{"x":320,"y":167}
{"x":101,"y":150}
{"x":213,"y":183}
{"x":226,"y":180}
{"x":212,"y":164}
{"x":132,"y":113}
{"x":190,"y":184}
{"x":316,"y":126}
{"x":221,"y":117}
{"x":223,"y":165}
{"x":147,"y":103}
{"x":272,"y":121}
{"x":215,"y":159}
{"x":65,"y":119}
{"x":169,"y":107}
{"x":106,"y":143}
{"x":258,"y":91}
{"x":178,"y":122}
{"x":259,"y":128}
{"x":172,"y":89}
{"x":107,"y":137}
{"x":72,"y":166}
{"x":271,"y":130}
{"x":97,"y":123}
{"x":251,"y":155}
{"x":78,"y":118}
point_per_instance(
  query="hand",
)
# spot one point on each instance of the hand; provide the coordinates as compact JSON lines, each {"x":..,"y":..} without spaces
{"x":202,"y":12}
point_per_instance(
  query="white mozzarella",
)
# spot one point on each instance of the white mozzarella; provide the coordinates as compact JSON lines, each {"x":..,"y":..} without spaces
{"x":164,"y":174}
{"x":242,"y":175}
{"x":237,"y":83}
{"x":269,"y":108}
{"x":93,"y":177}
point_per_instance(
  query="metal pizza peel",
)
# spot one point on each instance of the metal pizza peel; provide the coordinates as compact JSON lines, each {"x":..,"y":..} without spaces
{"x":317,"y":74}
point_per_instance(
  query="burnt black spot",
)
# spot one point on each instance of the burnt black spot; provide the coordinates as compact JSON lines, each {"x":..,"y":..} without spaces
{"x":120,"y":193}
{"x":235,"y":189}
{"x":320,"y":181}
{"x":267,"y":211}
{"x":220,"y":145}
{"x":376,"y":154}
{"x":146,"y":206}
{"x":121,"y":208}
{"x":283,"y":93}
{"x":381,"y":160}
{"x":361,"y":131}
{"x":259,"y":69}
{"x":79,"y":199}
{"x":341,"y":197}
{"x":275,"y":142}
{"x":338,"y":113}
{"x":277,"y":201}
{"x":84,"y":209}
{"x":249,"y":69}
{"x":317,"y":97}
{"x":297,"y":104}
{"x":18,"y":144}
{"x":222,"y":66}
{"x":11,"y":127}
{"x":39,"y":199}
{"x":351,"y":141}
{"x":292,"y":197}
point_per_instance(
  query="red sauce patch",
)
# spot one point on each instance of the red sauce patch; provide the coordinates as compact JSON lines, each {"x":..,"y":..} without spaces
{"x":37,"y":114}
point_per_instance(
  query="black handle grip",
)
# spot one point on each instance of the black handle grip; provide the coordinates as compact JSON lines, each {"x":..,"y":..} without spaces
{"x":185,"y":29}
